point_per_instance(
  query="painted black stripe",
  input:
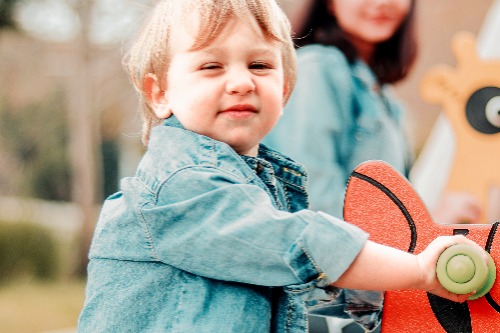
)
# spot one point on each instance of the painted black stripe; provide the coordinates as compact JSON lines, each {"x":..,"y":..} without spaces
{"x":491,"y":236}
{"x":397,"y":202}
{"x":489,"y":243}
{"x":453,"y":317}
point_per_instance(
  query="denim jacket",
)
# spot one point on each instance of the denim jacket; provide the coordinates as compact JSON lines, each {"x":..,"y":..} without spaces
{"x":340,"y":117}
{"x":202,"y":239}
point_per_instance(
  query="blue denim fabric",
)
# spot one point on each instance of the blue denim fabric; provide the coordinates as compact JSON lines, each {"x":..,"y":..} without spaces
{"x":204,"y":240}
{"x":360,"y":305}
{"x":339,"y":118}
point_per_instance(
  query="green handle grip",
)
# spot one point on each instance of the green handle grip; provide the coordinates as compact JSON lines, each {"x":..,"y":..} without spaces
{"x":461,"y":269}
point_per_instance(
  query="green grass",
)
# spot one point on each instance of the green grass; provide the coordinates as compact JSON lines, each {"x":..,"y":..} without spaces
{"x":34,"y":307}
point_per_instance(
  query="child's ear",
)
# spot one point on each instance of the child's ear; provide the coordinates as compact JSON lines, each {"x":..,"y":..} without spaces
{"x":156,"y":96}
{"x":286,"y":87}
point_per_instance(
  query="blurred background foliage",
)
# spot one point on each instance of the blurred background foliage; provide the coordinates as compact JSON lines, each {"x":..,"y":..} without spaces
{"x":28,"y":251}
{"x":68,"y":132}
{"x":34,"y":138}
{"x":7,"y":13}
{"x":67,"y":112}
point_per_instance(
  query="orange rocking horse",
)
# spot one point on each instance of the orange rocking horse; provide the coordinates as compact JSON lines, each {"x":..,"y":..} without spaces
{"x":382,"y":202}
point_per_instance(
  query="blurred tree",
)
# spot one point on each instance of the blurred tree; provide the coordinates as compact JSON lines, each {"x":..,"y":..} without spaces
{"x":71,"y":46}
{"x":84,"y":136}
{"x":7,"y":13}
{"x":42,"y":158}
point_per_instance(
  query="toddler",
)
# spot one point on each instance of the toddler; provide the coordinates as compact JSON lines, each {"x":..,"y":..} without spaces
{"x":212,"y":234}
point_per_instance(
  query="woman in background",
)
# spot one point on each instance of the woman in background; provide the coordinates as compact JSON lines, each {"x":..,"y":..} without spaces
{"x":342,"y":111}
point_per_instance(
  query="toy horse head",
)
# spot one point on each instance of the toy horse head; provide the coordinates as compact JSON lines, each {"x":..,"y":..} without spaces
{"x":382,"y":202}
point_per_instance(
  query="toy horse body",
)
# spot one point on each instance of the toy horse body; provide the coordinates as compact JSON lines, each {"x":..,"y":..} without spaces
{"x":382,"y":202}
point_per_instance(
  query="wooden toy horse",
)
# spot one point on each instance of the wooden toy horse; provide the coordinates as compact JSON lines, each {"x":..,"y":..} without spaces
{"x":470,"y":96}
{"x":382,"y":202}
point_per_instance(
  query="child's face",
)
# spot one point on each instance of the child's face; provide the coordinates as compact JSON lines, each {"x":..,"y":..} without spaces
{"x":232,"y":90}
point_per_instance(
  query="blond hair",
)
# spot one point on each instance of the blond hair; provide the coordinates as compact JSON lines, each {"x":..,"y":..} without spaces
{"x":150,"y":51}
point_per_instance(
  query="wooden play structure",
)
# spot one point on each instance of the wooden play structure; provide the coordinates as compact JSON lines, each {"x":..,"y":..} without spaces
{"x":470,"y":97}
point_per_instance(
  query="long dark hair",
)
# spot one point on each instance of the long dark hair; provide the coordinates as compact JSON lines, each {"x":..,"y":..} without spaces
{"x":392,"y":59}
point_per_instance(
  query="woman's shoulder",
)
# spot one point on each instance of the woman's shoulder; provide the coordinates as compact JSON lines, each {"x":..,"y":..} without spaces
{"x":324,"y":66}
{"x":323,"y":54}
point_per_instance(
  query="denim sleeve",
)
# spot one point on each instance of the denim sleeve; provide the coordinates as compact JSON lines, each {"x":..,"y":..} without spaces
{"x":203,"y":221}
{"x":319,"y":111}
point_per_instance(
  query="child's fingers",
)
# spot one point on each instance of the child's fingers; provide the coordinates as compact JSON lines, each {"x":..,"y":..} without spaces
{"x":443,"y":292}
{"x":459,"y":239}
{"x":443,"y":242}
{"x":460,"y":298}
{"x":456,"y":239}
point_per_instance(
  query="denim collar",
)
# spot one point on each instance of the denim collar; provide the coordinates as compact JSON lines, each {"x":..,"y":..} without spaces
{"x":284,"y":167}
{"x":364,"y":73}
{"x":172,"y":121}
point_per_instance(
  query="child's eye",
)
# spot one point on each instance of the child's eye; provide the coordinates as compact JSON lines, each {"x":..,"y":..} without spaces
{"x":260,"y":65}
{"x":211,"y":66}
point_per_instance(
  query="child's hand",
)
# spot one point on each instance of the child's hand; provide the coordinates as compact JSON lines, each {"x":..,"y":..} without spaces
{"x":427,"y":261}
{"x":458,"y":207}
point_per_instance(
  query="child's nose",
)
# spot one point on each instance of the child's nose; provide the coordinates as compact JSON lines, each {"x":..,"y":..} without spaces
{"x":240,"y":82}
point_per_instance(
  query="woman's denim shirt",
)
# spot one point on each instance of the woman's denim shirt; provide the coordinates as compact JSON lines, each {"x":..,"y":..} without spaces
{"x":338,"y":117}
{"x":205,"y":240}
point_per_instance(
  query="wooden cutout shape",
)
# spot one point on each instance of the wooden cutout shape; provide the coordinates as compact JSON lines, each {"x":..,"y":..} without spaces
{"x":382,"y":202}
{"x":470,"y":97}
